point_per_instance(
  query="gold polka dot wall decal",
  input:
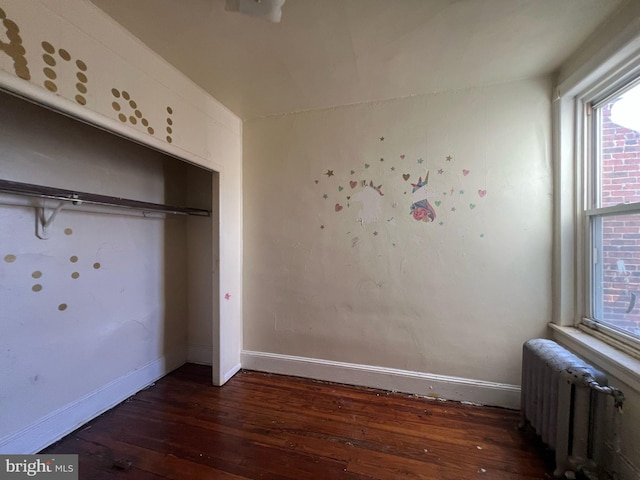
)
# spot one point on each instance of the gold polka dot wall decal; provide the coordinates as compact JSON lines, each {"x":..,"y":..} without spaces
{"x":14,"y":48}
{"x":75,"y":275}
{"x":62,"y":307}
{"x":137,"y":114}
{"x":36,"y":274}
{"x":23,"y":72}
{"x":9,"y":258}
{"x":37,"y":287}
{"x":169,"y":123}
{"x":73,"y":259}
{"x":96,"y":265}
{"x":47,"y":47}
{"x":64,"y":55}
{"x":68,"y":231}
{"x":50,"y":73}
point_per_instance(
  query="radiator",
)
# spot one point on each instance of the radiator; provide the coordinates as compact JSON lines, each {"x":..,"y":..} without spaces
{"x":563,"y":399}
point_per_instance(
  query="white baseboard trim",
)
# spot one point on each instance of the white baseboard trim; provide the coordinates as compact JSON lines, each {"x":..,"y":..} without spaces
{"x":418,"y":383}
{"x":65,"y":420}
{"x":200,"y":354}
{"x":231,"y":372}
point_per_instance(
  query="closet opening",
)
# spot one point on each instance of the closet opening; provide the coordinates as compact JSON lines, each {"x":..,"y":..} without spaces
{"x":110,"y":292}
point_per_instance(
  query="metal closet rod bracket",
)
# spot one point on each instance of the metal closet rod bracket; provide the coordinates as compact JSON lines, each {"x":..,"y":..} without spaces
{"x":43,"y":223}
{"x":79,"y":198}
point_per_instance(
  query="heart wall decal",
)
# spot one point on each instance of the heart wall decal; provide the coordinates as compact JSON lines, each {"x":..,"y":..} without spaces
{"x":338,"y":207}
{"x":482,"y":193}
{"x":406,"y":176}
{"x":353,"y":184}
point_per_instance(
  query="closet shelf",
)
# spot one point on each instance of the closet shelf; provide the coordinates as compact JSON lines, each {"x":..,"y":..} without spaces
{"x":78,"y":198}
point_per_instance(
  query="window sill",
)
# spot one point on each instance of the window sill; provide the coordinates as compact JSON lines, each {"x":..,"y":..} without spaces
{"x":603,"y":356}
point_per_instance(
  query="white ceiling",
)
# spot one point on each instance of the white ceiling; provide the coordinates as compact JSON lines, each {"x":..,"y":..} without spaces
{"x":335,"y":52}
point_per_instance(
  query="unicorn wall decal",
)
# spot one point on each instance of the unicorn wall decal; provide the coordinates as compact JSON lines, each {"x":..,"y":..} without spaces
{"x":421,"y":209}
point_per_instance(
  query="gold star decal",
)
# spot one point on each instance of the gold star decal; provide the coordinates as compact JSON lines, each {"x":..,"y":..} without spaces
{"x":329,"y":173}
{"x":449,"y":158}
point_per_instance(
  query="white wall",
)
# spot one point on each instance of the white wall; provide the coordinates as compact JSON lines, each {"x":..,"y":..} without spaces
{"x":68,"y":55}
{"x":357,"y":279}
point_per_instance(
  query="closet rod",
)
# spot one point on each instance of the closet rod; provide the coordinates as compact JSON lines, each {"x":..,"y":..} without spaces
{"x":41,"y":191}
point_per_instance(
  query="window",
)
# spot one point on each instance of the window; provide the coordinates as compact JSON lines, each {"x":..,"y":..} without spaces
{"x":612,"y":212}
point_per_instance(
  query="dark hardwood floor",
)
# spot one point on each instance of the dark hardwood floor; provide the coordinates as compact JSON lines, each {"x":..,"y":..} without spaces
{"x":263,"y":426}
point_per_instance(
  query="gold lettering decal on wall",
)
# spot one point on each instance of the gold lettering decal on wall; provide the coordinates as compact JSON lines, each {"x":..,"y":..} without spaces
{"x":14,"y":48}
{"x":136,"y":115}
{"x":49,"y":58}
{"x":169,"y":125}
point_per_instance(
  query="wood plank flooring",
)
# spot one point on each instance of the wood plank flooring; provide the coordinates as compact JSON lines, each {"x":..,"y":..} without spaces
{"x":263,"y":426}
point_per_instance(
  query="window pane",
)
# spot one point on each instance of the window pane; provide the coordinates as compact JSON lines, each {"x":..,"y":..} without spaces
{"x":617,"y":275}
{"x":618,"y":139}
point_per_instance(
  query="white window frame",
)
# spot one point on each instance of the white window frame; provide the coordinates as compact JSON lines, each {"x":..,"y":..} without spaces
{"x":572,"y":272}
{"x":588,"y":137}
